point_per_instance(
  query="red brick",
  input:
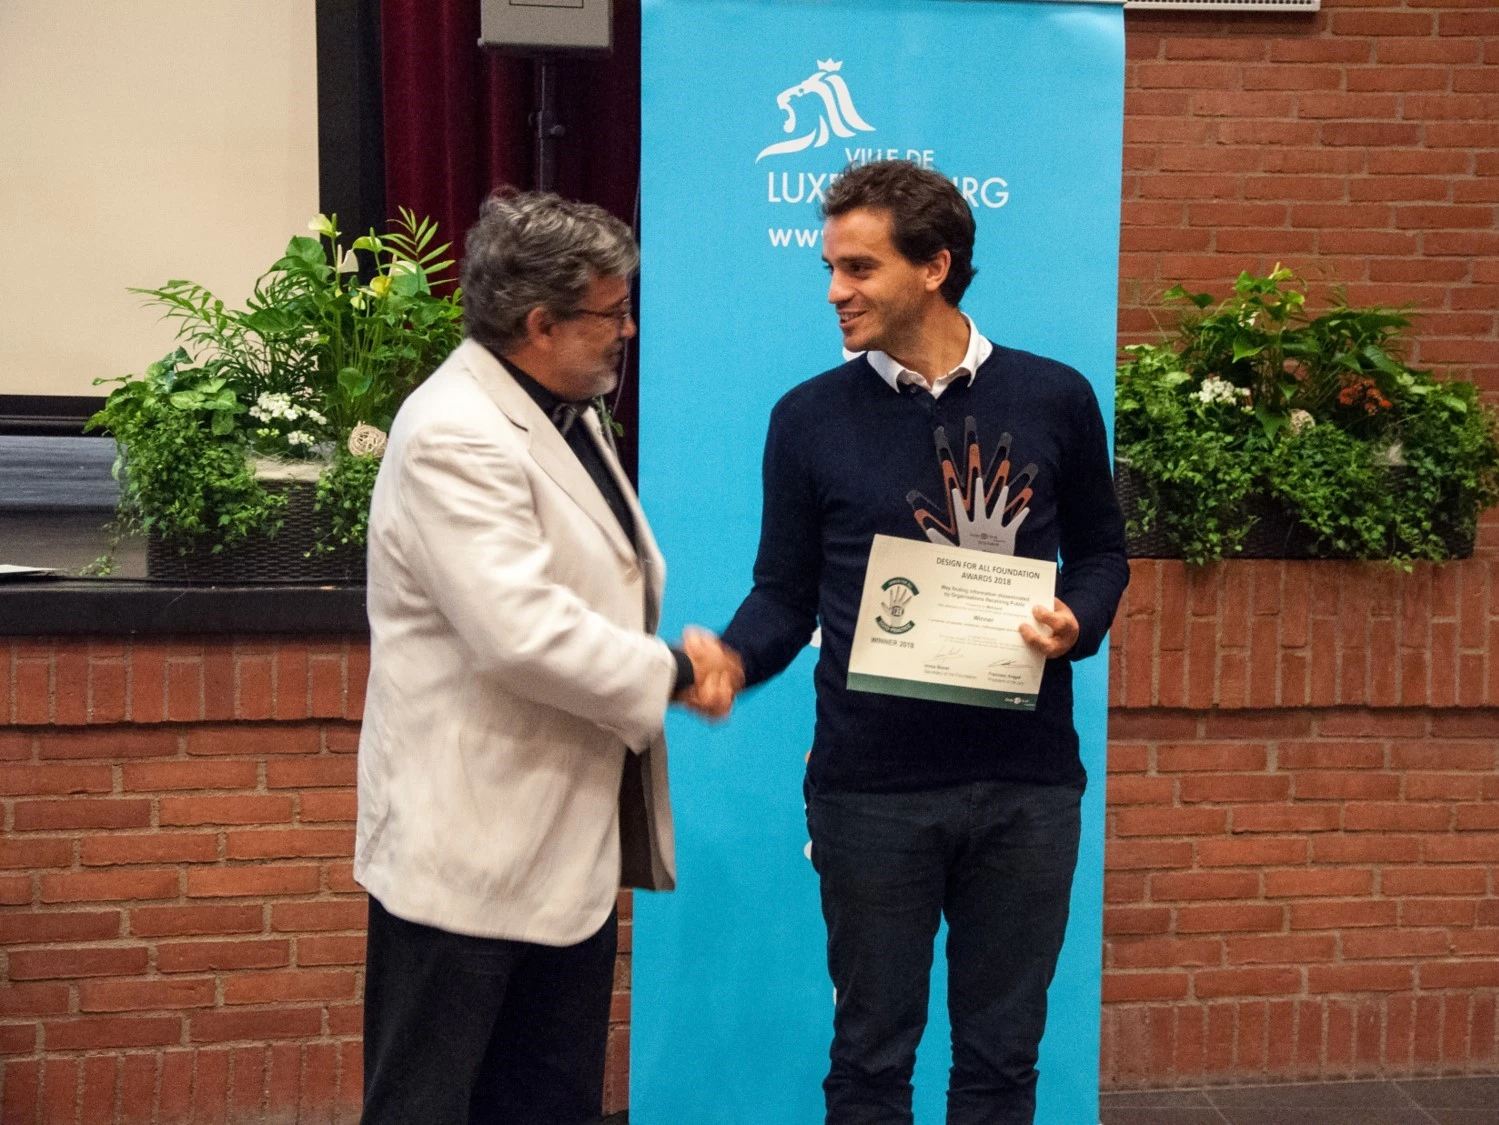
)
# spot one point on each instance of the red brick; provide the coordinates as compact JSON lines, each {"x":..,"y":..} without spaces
{"x":1302,"y":883}
{"x":35,"y":781}
{"x":1472,"y":847}
{"x":1200,"y":885}
{"x":33,"y":691}
{"x":1240,"y":917}
{"x":107,"y":696}
{"x":1389,"y":945}
{"x":1170,"y":822}
{"x":1426,"y":881}
{"x":338,"y":877}
{"x":1281,"y":949}
{"x":110,"y":742}
{"x":38,"y":926}
{"x":137,"y":1086}
{"x":99,"y":1033}
{"x":302,"y":984}
{"x":319,"y":1080}
{"x":1250,"y":851}
{"x":1375,"y":816}
{"x":1212,"y":983}
{"x":327,"y":807}
{"x":175,"y":1099}
{"x":330,"y":950}
{"x":33,"y":1000}
{"x":144,"y":995}
{"x":204,"y":956}
{"x":110,"y":885}
{"x":1151,"y":726}
{"x":1211,"y":757}
{"x":290,"y":843}
{"x":1135,"y":920}
{"x":1285,"y":818}
{"x":1314,"y":785}
{"x":310,"y":773}
{"x":15,"y":890}
{"x":1373,"y":848}
{"x":152,"y":776}
{"x":157,"y":847}
{"x":358,"y":675}
{"x":291,"y":682}
{"x":256,"y":691}
{"x":258,"y":879}
{"x":1443,"y":787}
{"x":34,"y":853}
{"x":70,"y":687}
{"x":1258,"y":725}
{"x":253,"y":740}
{"x":61,"y":815}
{"x":1121,"y":987}
{"x":1459,"y":974}
{"x":1338,"y":915}
{"x":338,"y":914}
{"x":186,"y":921}
{"x":60,"y":964}
{"x":1234,"y":788}
{"x":224,"y":810}
{"x":269,"y":1023}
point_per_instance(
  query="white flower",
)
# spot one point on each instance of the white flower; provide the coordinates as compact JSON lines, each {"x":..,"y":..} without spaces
{"x":350,"y":264}
{"x":314,"y":416}
{"x":1215,"y":389}
{"x":1301,"y":421}
{"x":297,"y":437}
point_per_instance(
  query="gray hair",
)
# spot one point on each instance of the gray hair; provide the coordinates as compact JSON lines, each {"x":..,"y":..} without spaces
{"x":532,"y":249}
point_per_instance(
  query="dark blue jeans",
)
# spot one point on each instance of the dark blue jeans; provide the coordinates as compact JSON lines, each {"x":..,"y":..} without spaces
{"x":996,"y":859}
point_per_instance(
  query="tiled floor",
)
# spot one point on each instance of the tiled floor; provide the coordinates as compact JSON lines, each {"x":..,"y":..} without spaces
{"x":1441,"y":1101}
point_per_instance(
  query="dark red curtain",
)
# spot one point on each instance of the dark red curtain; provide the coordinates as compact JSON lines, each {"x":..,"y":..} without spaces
{"x":456,"y":124}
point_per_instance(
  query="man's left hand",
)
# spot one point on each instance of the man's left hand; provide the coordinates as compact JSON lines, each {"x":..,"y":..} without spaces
{"x":1063,"y":630}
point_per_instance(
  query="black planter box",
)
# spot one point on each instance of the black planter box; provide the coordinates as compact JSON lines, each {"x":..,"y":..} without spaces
{"x":289,"y":556}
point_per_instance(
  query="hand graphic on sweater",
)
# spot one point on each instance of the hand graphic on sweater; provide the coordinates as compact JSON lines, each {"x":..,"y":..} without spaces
{"x":985,"y":508}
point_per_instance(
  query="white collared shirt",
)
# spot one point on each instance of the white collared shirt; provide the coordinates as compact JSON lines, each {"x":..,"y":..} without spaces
{"x":898,"y":375}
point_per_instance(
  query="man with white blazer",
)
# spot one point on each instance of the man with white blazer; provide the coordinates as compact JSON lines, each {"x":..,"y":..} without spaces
{"x":512,"y":767}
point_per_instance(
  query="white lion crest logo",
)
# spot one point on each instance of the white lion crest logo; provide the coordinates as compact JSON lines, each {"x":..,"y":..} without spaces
{"x":838,"y":116}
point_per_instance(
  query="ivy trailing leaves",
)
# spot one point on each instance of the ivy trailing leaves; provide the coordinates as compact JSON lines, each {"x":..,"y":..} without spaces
{"x":1253,"y":395}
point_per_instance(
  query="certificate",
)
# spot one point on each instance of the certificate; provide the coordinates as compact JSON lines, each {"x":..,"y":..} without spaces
{"x":944,"y":623}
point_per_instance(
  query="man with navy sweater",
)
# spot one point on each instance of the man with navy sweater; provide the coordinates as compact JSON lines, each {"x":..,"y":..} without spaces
{"x":920,"y":809}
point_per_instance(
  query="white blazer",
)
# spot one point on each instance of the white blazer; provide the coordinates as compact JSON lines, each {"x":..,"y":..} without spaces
{"x":517,"y":693}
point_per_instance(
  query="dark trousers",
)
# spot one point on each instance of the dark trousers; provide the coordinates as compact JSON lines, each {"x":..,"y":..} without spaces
{"x":481,"y":1031}
{"x":996,"y":859}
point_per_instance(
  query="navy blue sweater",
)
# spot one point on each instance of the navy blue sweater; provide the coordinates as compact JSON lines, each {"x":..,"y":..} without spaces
{"x":847,"y":458}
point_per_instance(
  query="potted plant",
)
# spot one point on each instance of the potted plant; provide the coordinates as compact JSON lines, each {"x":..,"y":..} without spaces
{"x":1261,"y":430}
{"x":250,"y":451}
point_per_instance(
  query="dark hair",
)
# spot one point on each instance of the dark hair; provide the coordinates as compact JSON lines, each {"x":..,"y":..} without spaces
{"x":535,"y":248}
{"x":927,"y":213}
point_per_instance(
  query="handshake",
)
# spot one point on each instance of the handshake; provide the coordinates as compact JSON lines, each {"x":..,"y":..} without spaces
{"x":718,"y":674}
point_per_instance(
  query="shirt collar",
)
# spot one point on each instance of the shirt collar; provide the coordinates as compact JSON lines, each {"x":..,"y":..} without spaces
{"x":562,"y":412}
{"x":896,"y":374}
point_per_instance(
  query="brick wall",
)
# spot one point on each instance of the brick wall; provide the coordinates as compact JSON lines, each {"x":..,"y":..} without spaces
{"x":181,"y":938}
{"x":1302,"y":823}
{"x":1357,"y":145}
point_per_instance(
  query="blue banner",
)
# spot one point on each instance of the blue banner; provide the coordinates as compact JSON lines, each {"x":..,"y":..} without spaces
{"x":750,"y":109}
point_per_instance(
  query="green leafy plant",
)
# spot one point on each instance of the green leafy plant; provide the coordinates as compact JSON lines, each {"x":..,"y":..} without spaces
{"x":181,"y":474}
{"x":331,"y":337}
{"x":1254,"y":395}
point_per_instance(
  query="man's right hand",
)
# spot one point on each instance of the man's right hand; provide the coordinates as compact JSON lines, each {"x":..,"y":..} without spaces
{"x":718,"y":674}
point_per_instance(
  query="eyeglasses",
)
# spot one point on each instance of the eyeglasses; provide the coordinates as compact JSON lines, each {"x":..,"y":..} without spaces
{"x":620,"y":314}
